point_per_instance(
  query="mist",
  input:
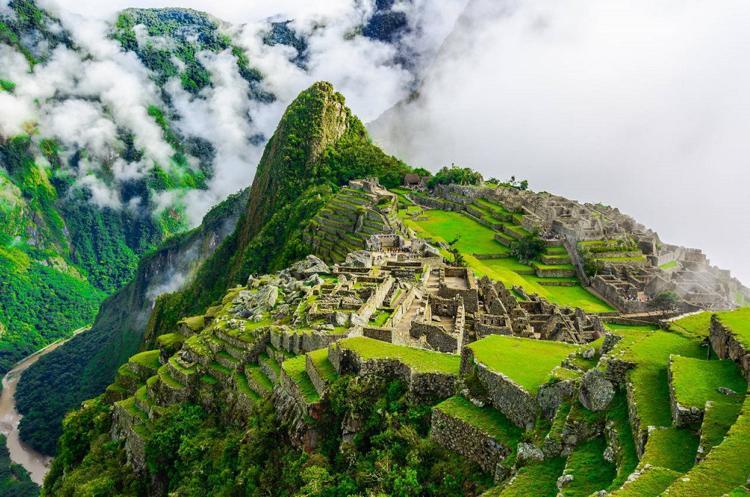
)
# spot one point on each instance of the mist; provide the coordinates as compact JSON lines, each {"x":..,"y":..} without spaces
{"x":642,"y":105}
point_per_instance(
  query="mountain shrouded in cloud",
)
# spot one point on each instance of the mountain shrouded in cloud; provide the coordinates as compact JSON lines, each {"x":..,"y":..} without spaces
{"x":642,"y":105}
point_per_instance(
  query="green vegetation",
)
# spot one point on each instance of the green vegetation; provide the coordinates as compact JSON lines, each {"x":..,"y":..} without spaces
{"x":510,"y":357}
{"x":455,"y":175}
{"x":475,"y":238}
{"x":591,"y":472}
{"x":148,"y":359}
{"x":627,"y":458}
{"x":323,"y":365}
{"x":486,"y":419}
{"x":672,"y":448}
{"x":538,"y":479}
{"x":422,"y":361}
{"x":698,"y":324}
{"x":14,"y":479}
{"x":739,"y":322}
{"x":696,"y":381}
{"x":650,"y":352}
{"x":652,"y":481}
{"x":295,"y":369}
{"x":725,"y":468}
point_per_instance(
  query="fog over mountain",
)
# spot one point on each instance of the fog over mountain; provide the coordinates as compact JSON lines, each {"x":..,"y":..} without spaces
{"x":641,"y":105}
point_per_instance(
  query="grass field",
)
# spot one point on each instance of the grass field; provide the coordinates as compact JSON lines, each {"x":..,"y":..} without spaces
{"x":538,"y":480}
{"x":323,"y":365}
{"x":696,"y":381}
{"x":739,"y":322}
{"x":476,"y":238}
{"x":672,"y":448}
{"x":697,"y":324}
{"x":590,"y":471}
{"x":526,"y":361}
{"x":423,"y":361}
{"x":487,"y":419}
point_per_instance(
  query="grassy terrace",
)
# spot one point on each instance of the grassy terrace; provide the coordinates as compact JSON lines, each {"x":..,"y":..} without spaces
{"x":628,"y":458}
{"x":486,"y":419}
{"x":739,"y":322}
{"x":672,"y":448}
{"x":725,"y":468}
{"x":295,"y":369}
{"x":538,"y":480}
{"x":652,"y":481}
{"x":526,"y":361}
{"x":475,"y":238}
{"x":423,"y":361}
{"x":591,"y":472}
{"x":323,"y":365}
{"x":697,"y":324}
{"x":148,"y":359}
{"x":650,"y":351}
{"x":696,"y":381}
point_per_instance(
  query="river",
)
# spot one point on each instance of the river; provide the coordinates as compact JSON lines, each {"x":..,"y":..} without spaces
{"x":36,"y":464}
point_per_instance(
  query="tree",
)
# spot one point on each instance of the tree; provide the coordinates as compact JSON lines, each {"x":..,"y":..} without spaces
{"x":665,"y":300}
{"x":455,"y":175}
{"x":458,"y":257}
{"x":527,"y":248}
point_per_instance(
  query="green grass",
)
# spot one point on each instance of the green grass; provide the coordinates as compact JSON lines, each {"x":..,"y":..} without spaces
{"x":168,"y":379}
{"x":478,"y":239}
{"x":591,"y":472}
{"x":725,"y":468}
{"x":486,"y":419}
{"x":652,"y":481}
{"x":446,"y":226}
{"x":169,"y":340}
{"x":718,"y":418}
{"x":739,"y":322}
{"x":669,"y":265}
{"x":696,"y":381}
{"x":627,"y":459}
{"x":295,"y":369}
{"x":379,"y":318}
{"x":697,"y":324}
{"x":672,"y":448}
{"x":323,"y":365}
{"x":537,"y":480}
{"x":263,"y":381}
{"x":526,"y":361}
{"x":651,"y":353}
{"x":148,"y":359}
{"x":422,"y":361}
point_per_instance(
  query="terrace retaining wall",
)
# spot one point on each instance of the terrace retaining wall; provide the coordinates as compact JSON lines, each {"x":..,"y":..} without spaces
{"x":468,"y":440}
{"x":726,"y":345}
{"x":518,"y":405}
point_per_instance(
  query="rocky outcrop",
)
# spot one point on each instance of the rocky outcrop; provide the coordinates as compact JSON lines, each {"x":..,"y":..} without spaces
{"x":596,"y":391}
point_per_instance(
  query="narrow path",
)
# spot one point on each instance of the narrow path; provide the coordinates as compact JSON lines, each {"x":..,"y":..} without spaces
{"x":36,"y":464}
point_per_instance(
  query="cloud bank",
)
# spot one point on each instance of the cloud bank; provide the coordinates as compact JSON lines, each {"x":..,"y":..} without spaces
{"x":638,"y":104}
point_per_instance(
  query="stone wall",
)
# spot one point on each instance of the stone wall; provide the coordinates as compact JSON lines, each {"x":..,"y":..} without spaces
{"x":315,"y":377}
{"x":505,"y":395}
{"x":437,"y":337}
{"x":468,"y":440}
{"x":299,"y":343}
{"x":422,"y":386}
{"x":682,"y":416}
{"x":727,"y":346}
{"x":382,"y":334}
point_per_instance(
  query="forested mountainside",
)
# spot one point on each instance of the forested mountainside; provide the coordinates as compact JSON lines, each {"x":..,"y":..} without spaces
{"x":106,"y":156}
{"x":318,"y":145}
{"x":60,"y":243}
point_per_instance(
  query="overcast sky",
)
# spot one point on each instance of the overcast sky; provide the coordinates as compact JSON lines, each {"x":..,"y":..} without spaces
{"x":640,"y":104}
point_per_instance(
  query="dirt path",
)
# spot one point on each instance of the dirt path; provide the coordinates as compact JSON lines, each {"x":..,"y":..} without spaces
{"x":35,"y":463}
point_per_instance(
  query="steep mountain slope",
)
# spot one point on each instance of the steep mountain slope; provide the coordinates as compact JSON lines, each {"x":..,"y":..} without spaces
{"x":319,"y":144}
{"x":85,"y":365}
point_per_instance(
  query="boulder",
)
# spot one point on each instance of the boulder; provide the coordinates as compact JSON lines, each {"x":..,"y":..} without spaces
{"x":596,"y":391}
{"x":308,"y":266}
{"x":528,"y":452}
